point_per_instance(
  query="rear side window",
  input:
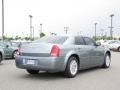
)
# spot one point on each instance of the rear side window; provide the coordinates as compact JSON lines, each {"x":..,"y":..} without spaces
{"x":89,"y":41}
{"x":79,"y":41}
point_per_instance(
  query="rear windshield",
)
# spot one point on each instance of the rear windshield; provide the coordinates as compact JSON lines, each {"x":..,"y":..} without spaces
{"x":52,"y":39}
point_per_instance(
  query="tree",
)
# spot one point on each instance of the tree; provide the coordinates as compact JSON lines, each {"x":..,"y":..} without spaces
{"x":10,"y":38}
{"x":17,"y":38}
{"x":27,"y":38}
{"x":4,"y":37}
{"x":108,"y":38}
{"x":42,"y":34}
{"x":115,"y":38}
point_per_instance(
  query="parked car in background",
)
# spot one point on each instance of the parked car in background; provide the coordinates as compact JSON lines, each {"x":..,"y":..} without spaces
{"x":101,"y":42}
{"x":9,"y":50}
{"x":19,"y":43}
{"x":14,"y":44}
{"x":66,"y":54}
{"x":106,"y":43}
{"x":114,"y":46}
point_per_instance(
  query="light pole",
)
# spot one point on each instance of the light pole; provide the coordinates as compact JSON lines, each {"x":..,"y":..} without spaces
{"x":33,"y":32}
{"x":2,"y":19}
{"x":30,"y":25}
{"x":95,"y":30}
{"x":66,"y":29}
{"x":111,"y":27}
{"x":40,"y":30}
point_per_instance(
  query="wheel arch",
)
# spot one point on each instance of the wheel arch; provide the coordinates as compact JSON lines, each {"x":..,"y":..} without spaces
{"x":108,"y":52}
{"x":104,"y":64}
{"x":70,"y":54}
{"x":77,"y":57}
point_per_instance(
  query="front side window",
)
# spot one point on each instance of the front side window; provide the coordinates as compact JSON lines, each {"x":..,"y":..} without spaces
{"x":89,"y":41}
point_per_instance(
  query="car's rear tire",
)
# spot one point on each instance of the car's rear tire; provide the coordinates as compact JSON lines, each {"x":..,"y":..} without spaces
{"x":0,"y":58}
{"x":71,"y":68}
{"x":107,"y":61}
{"x":32,"y":71}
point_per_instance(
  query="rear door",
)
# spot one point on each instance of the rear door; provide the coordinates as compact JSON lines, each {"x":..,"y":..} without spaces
{"x":82,"y":51}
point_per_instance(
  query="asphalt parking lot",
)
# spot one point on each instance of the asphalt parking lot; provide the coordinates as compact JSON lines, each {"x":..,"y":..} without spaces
{"x":12,"y":78}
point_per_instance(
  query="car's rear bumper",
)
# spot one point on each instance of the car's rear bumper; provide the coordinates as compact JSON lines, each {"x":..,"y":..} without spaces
{"x":51,"y":64}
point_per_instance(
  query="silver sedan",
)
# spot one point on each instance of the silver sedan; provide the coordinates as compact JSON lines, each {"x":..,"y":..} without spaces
{"x":114,"y":46}
{"x":66,"y":54}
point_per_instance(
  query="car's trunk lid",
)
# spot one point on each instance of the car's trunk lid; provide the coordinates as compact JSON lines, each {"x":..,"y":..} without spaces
{"x":36,"y":49}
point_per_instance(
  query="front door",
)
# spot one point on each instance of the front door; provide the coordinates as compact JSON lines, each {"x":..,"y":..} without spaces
{"x":95,"y":52}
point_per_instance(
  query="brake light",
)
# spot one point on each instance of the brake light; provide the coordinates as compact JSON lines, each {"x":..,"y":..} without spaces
{"x":18,"y":51}
{"x":55,"y":51}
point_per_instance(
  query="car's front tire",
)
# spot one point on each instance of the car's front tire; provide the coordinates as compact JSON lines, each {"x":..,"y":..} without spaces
{"x":32,"y":71}
{"x":107,"y":61}
{"x":72,"y":67}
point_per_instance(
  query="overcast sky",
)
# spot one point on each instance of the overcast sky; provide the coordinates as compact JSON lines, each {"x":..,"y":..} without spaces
{"x":78,"y":15}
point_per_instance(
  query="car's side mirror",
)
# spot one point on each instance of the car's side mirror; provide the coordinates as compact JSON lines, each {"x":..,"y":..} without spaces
{"x":7,"y":46}
{"x":98,"y":44}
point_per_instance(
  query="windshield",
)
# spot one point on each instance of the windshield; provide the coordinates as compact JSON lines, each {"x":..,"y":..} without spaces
{"x":52,"y":39}
{"x":118,"y":42}
{"x":4,"y":43}
{"x":14,"y":44}
{"x":112,"y":42}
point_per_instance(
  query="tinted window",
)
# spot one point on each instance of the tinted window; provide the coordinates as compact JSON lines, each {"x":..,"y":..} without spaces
{"x":112,"y":42}
{"x":89,"y":41}
{"x":52,"y":39}
{"x":3,"y":44}
{"x":14,"y":44}
{"x":79,"y":41}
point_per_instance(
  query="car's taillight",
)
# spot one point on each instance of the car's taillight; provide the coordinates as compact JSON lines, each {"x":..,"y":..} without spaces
{"x":18,"y":51}
{"x":55,"y":51}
